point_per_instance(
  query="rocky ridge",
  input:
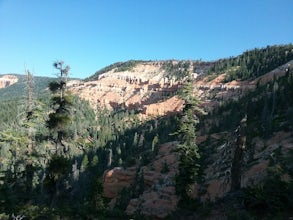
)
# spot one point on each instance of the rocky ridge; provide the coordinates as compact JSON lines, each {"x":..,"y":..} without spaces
{"x":7,"y":80}
{"x":147,"y":87}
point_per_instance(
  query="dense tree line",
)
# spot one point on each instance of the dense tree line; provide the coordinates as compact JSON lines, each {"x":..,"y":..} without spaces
{"x":118,"y":67}
{"x":55,"y":148}
{"x":253,"y":63}
{"x":12,"y":92}
{"x":269,"y":108}
{"x":176,"y":69}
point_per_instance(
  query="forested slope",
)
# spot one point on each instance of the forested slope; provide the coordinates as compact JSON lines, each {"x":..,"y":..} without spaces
{"x":55,"y":148}
{"x":18,"y":90}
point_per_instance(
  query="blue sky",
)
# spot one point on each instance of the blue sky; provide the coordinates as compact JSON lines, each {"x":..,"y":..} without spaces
{"x":91,"y":34}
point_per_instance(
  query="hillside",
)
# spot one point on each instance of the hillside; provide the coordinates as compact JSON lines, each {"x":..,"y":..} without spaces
{"x":174,"y":139}
{"x":151,"y":86}
{"x":138,"y":88}
{"x":7,"y":80}
{"x":227,"y":103}
{"x":14,"y":86}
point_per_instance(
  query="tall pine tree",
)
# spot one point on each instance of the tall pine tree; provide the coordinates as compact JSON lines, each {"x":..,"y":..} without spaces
{"x":61,"y":102}
{"x":187,"y":148}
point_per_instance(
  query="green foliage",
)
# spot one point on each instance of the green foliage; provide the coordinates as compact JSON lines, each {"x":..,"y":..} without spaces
{"x":9,"y":112}
{"x":84,"y":163}
{"x":133,"y":191}
{"x":43,"y":184}
{"x":267,"y":113}
{"x":254,"y":63}
{"x":269,"y":199}
{"x":127,"y":66}
{"x":54,"y":86}
{"x":59,"y":119}
{"x":187,"y":148}
{"x":54,"y":183}
{"x":176,"y":69}
{"x":128,"y":140}
{"x":268,"y":109}
{"x":12,"y":188}
{"x":4,"y":216}
{"x":17,"y":188}
{"x":58,"y":167}
{"x":155,"y":143}
{"x":16,"y":90}
{"x":87,"y":140}
{"x":118,"y":67}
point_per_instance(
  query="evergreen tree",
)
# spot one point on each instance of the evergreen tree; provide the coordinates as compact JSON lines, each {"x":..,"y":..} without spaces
{"x":61,"y":102}
{"x":30,"y":134}
{"x":58,"y":123}
{"x":187,"y":148}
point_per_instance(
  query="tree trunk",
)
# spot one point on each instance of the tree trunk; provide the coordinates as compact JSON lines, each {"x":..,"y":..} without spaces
{"x":238,"y":155}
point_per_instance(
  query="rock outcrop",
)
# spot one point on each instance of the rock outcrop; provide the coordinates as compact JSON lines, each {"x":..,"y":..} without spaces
{"x":159,"y":197}
{"x":218,"y":178}
{"x":148,"y":87}
{"x":7,"y":80}
{"x":117,"y":179}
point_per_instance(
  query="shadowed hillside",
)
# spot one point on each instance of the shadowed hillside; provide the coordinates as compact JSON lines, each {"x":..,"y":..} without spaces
{"x":152,"y":140}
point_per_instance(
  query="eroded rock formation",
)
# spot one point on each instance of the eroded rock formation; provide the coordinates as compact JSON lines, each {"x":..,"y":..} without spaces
{"x":146,"y":88}
{"x":159,"y":198}
{"x":7,"y":80}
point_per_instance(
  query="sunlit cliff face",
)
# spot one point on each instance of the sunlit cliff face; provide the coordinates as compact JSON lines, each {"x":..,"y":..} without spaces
{"x":149,"y":88}
{"x":144,"y":88}
{"x":7,"y":80}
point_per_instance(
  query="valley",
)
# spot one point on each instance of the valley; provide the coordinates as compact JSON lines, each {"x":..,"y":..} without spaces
{"x":152,"y":139}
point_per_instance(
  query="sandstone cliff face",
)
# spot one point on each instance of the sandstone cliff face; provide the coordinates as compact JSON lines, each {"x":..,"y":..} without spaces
{"x":159,"y":198}
{"x":141,"y":88}
{"x":117,"y":179}
{"x":146,"y":88}
{"x":150,"y":88}
{"x":7,"y":80}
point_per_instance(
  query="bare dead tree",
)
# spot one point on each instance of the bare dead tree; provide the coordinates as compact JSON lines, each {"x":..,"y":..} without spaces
{"x":240,"y":147}
{"x":18,"y":217}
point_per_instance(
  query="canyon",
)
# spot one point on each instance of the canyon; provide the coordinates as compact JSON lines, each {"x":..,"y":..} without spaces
{"x":148,"y":88}
{"x":151,"y":91}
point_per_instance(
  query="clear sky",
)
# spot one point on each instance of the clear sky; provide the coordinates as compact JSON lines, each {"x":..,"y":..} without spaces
{"x":91,"y":34}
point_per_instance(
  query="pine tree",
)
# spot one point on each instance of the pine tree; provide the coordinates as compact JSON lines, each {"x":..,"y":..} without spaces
{"x":59,"y":119}
{"x":187,"y":148}
{"x":30,"y":134}
{"x":58,"y":123}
